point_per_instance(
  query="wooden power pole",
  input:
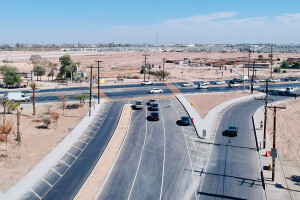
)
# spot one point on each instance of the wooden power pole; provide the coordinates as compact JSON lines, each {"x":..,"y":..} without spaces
{"x":98,"y":67}
{"x":274,"y":139}
{"x":145,"y":65}
{"x":164,"y":69}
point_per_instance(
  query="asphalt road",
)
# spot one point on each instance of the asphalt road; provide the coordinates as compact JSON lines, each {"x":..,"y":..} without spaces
{"x":233,"y":171}
{"x":154,"y":162}
{"x":66,"y":178}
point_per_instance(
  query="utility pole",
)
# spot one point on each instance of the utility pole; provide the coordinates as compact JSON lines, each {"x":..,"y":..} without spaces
{"x":249,"y":51}
{"x":266,"y":117}
{"x":271,"y":56}
{"x":98,"y":61}
{"x":145,"y":56}
{"x":164,"y":69}
{"x":91,"y":83}
{"x":252,"y":76}
{"x":274,"y":139}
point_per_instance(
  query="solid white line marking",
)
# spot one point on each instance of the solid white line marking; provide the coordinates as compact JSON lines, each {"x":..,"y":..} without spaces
{"x":77,"y":148}
{"x":71,"y":155}
{"x":139,"y":160}
{"x":56,"y":172}
{"x":47,"y":182}
{"x":87,"y":136}
{"x":38,"y":196}
{"x":198,"y":150}
{"x":65,"y":163}
{"x":164,"y":160}
{"x":83,"y":141}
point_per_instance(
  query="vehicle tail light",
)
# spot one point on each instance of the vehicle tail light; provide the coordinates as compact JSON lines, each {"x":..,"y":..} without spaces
{"x":157,"y":117}
{"x":152,"y":117}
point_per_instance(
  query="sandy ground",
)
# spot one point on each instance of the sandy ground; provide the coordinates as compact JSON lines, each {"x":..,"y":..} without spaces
{"x":101,"y":170}
{"x":36,"y":143}
{"x":288,"y":140}
{"x":129,"y":63}
{"x":203,"y":103}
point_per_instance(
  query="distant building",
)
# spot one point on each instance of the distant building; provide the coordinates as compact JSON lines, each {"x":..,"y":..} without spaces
{"x":257,"y":65}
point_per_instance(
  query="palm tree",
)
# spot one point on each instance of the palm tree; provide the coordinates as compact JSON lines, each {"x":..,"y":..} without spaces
{"x":33,"y":86}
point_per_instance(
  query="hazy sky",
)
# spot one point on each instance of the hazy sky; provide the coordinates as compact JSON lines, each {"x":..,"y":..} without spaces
{"x":139,"y":21}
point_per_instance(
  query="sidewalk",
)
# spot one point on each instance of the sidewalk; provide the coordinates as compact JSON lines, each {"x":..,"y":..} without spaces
{"x":51,"y":159}
{"x":274,"y":190}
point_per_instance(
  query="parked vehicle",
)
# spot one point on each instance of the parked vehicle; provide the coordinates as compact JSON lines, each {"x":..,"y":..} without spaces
{"x":200,"y":86}
{"x":31,"y":90}
{"x":156,"y":90}
{"x":16,"y":96}
{"x":290,"y":89}
{"x":154,"y":116}
{"x":244,"y":78}
{"x":150,"y":102}
{"x":233,"y":131}
{"x":258,"y":80}
{"x":220,"y":82}
{"x":139,"y":105}
{"x":234,"y":85}
{"x":185,"y":121}
{"x":291,"y":78}
{"x":154,"y":107}
{"x":147,"y":83}
{"x":187,"y":84}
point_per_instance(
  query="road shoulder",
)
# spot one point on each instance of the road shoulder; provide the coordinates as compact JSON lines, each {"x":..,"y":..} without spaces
{"x":92,"y":185}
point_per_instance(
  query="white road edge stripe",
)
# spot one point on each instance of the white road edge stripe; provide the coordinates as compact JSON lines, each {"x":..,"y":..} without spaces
{"x":164,"y":160}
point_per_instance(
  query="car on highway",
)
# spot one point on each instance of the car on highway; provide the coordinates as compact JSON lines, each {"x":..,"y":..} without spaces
{"x":255,"y":87}
{"x":237,"y":80}
{"x":204,"y":83}
{"x":154,"y":116}
{"x":220,"y":82}
{"x":151,"y":101}
{"x":185,"y":121}
{"x":147,"y":82}
{"x":138,"y":105}
{"x":187,"y":84}
{"x":16,"y":96}
{"x":154,"y":107}
{"x":31,"y":90}
{"x":290,"y":78}
{"x":200,"y":86}
{"x":273,"y":80}
{"x":234,"y":85}
{"x":233,"y":130}
{"x":155,"y":90}
{"x":258,"y":80}
{"x":290,"y":89}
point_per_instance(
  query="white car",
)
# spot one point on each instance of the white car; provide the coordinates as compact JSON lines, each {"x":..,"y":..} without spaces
{"x":255,"y":87}
{"x":200,"y":86}
{"x":234,"y":85}
{"x":290,"y":89}
{"x":147,"y":83}
{"x":31,"y":90}
{"x":187,"y":84}
{"x":273,"y":80}
{"x":204,"y":83}
{"x":156,"y":90}
{"x":220,"y":82}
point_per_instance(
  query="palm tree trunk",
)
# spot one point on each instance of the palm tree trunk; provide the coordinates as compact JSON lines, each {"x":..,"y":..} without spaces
{"x":4,"y":115}
{"x":33,"y":100}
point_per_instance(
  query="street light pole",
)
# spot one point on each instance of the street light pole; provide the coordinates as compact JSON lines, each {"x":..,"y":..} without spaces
{"x":164,"y":69}
{"x":90,"y":103}
{"x":98,"y":61}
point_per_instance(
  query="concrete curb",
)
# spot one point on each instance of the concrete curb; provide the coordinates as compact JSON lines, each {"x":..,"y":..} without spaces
{"x":214,"y":115}
{"x":51,"y":159}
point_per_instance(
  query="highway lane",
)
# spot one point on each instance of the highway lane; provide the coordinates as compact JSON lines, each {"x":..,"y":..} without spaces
{"x":154,"y":160}
{"x":233,"y":170}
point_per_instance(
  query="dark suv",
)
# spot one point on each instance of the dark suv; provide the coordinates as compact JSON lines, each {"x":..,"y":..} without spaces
{"x":154,"y":107}
{"x":233,"y":131}
{"x":185,"y":121}
{"x":154,"y":116}
{"x":291,"y":79}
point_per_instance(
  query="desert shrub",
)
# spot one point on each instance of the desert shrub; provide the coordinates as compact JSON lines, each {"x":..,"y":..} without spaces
{"x":46,"y":120}
{"x":81,"y":98}
{"x":54,"y":116}
{"x":277,"y":69}
{"x":136,"y":77}
{"x":284,"y":71}
{"x":5,"y":130}
{"x":63,"y":99}
{"x":73,"y":106}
